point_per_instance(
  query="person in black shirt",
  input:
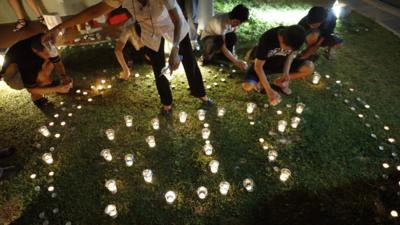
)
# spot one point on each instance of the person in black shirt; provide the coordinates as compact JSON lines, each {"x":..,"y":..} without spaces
{"x":29,"y":64}
{"x":276,"y":53}
{"x":320,"y":24}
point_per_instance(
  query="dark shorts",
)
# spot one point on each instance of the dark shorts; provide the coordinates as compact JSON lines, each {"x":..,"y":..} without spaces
{"x":273,"y":65}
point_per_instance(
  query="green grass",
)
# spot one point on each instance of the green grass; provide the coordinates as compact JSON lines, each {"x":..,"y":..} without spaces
{"x":336,"y":165}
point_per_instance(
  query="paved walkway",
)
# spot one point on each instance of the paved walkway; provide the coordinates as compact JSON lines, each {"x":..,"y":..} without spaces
{"x":382,"y":13}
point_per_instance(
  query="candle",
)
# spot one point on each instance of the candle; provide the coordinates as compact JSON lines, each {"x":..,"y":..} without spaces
{"x":111,"y":210}
{"x":111,"y":185}
{"x":47,"y":158}
{"x":300,"y":107}
{"x":109,"y":86}
{"x":110,"y":134}
{"x":151,"y":141}
{"x":128,"y":120}
{"x":103,"y":81}
{"x":214,"y":164}
{"x":250,"y":107}
{"x":248,"y":184}
{"x":44,"y":131}
{"x":394,"y":213}
{"x":295,"y":122}
{"x":50,"y":189}
{"x":205,"y":132}
{"x":182,"y":117}
{"x":63,"y":123}
{"x":129,"y":159}
{"x":285,"y":174}
{"x":106,"y":154}
{"x":155,"y":123}
{"x":208,"y":148}
{"x":272,"y":154}
{"x":221,"y":111}
{"x":385,"y":165}
{"x":201,"y":113}
{"x":148,"y":175}
{"x":170,"y":197}
{"x":391,"y":140}
{"x":202,"y":192}
{"x":316,"y":78}
{"x":282,"y":126}
{"x":224,"y":187}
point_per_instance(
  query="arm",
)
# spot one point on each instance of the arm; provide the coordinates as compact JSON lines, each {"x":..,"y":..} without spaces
{"x":258,"y":68}
{"x":174,"y":57}
{"x":312,"y":49}
{"x":288,"y":64}
{"x":49,"y":90}
{"x":228,"y":54}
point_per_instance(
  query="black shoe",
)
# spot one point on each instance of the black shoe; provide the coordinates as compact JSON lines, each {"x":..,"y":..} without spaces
{"x":209,"y":103}
{"x":42,"y":102}
{"x":6,"y":152}
{"x":166,"y":113}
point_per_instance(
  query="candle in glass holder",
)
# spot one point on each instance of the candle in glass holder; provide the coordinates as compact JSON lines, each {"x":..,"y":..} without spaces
{"x":128,"y":120}
{"x":129,"y":159}
{"x":202,"y":192}
{"x":111,"y":210}
{"x":170,"y":197}
{"x":201,"y":113}
{"x":111,"y":185}
{"x":151,"y":141}
{"x":272,"y":155}
{"x":214,"y":165}
{"x":48,"y":158}
{"x":205,"y":132}
{"x":182,"y":117}
{"x":221,"y":111}
{"x":147,"y":175}
{"x":106,"y":154}
{"x":110,"y":134}
{"x":208,"y":148}
{"x":248,"y":184}
{"x":44,"y":131}
{"x":250,"y":107}
{"x":316,"y":78}
{"x":155,"y":123}
{"x":224,"y":187}
{"x":285,"y":174}
{"x":394,"y":214}
{"x":282,"y":126}
{"x":300,"y":108}
{"x":295,"y":122}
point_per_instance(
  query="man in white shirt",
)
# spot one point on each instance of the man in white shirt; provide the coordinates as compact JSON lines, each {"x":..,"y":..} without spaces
{"x":158,"y":20}
{"x":219,"y":36}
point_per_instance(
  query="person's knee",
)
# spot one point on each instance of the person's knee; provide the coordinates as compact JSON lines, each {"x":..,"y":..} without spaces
{"x":247,"y":86}
{"x":312,"y":38}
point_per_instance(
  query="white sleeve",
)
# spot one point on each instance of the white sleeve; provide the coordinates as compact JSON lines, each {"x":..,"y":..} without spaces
{"x":170,"y":4}
{"x":113,"y":3}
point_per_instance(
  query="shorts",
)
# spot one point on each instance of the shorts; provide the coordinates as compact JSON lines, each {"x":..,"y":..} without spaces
{"x":273,"y":65}
{"x":13,"y":78}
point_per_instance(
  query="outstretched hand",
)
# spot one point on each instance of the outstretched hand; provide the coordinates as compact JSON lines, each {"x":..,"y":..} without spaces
{"x":174,"y":59}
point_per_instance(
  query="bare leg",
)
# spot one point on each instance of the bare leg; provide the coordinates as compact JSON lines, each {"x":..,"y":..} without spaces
{"x":120,"y":57}
{"x":35,"y":8}
{"x":305,"y":70}
{"x":17,"y":9}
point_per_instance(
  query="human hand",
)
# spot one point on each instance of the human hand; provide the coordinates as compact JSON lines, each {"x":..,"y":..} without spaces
{"x":174,"y":59}
{"x":242,"y":65}
{"x":63,"y":88}
{"x":274,"y":98}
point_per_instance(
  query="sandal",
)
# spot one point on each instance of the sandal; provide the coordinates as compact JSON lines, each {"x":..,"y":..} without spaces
{"x":21,"y":23}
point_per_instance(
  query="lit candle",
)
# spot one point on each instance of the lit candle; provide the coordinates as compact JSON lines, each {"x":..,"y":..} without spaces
{"x":295,"y":122}
{"x":106,"y":154}
{"x":224,"y":187}
{"x":128,"y":120}
{"x":385,"y":165}
{"x":282,"y":126}
{"x":394,"y":213}
{"x":147,"y":175}
{"x":221,"y":111}
{"x":50,"y":189}
{"x":272,"y":154}
{"x":182,"y":117}
{"x":205,"y":132}
{"x":111,"y":210}
{"x":155,"y":123}
{"x":250,"y":107}
{"x":47,"y":158}
{"x":300,"y":107}
{"x":202,"y":192}
{"x":208,"y":148}
{"x":214,"y":164}
{"x":109,"y":86}
{"x":44,"y":131}
{"x":316,"y":78}
{"x":285,"y":174}
{"x":129,"y":159}
{"x":201,"y":113}
{"x":111,"y":185}
{"x":63,"y":123}
{"x":391,"y":140}
{"x":170,"y":197}
{"x":248,"y":184}
{"x":151,"y":141}
{"x":110,"y":134}
{"x":103,"y":81}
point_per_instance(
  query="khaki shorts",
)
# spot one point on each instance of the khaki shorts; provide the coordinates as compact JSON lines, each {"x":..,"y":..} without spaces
{"x":13,"y":78}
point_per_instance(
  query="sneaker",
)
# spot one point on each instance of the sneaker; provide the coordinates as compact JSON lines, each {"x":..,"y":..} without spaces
{"x":209,"y":103}
{"x":166,"y":113}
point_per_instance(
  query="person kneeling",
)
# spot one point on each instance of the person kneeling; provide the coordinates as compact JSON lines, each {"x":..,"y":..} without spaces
{"x":276,"y":53}
{"x":219,"y":36}
{"x":29,"y":64}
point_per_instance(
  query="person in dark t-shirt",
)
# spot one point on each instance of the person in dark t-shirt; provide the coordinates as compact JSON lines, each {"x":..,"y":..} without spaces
{"x":320,"y":24}
{"x":276,"y":53}
{"x":29,"y":63}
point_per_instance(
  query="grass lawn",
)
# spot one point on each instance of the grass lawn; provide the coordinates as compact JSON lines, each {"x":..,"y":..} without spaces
{"x":336,"y":164}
